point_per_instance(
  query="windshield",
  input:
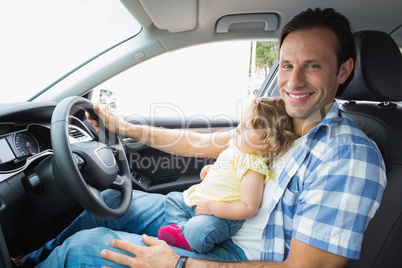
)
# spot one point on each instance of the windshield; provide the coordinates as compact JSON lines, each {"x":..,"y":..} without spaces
{"x":44,"y":39}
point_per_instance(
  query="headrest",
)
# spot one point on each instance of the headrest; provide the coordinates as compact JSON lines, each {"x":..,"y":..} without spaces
{"x":378,"y":69}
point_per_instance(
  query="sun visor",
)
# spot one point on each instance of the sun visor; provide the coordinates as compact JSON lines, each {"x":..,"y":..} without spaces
{"x":161,"y":13}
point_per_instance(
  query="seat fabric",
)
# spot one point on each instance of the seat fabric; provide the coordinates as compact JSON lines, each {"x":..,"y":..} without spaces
{"x":372,"y":102}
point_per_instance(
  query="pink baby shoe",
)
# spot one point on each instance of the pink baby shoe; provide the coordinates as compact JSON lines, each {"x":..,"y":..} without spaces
{"x":173,"y":236}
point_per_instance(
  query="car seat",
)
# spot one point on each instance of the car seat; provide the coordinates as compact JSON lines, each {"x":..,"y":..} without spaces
{"x":371,"y":100}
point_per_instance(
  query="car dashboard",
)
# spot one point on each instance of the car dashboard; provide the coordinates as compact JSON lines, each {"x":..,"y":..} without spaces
{"x":22,"y":147}
{"x":29,"y":192}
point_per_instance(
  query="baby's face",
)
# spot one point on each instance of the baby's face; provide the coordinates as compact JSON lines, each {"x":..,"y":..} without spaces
{"x":246,"y":138}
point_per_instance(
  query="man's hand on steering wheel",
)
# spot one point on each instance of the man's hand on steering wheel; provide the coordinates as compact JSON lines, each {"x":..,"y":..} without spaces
{"x":111,"y":121}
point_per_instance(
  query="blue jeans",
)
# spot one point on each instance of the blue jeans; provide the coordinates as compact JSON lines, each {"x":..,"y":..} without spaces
{"x":80,"y":244}
{"x":201,"y":232}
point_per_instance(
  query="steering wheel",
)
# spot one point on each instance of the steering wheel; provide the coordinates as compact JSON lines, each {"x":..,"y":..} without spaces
{"x":87,"y":168}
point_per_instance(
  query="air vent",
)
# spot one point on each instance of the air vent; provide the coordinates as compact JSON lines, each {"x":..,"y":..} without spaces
{"x":78,"y":135}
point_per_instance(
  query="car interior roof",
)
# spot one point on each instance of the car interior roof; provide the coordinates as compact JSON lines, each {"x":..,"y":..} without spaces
{"x":195,"y":20}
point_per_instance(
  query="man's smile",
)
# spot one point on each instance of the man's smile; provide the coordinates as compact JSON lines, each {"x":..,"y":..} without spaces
{"x":299,"y":96}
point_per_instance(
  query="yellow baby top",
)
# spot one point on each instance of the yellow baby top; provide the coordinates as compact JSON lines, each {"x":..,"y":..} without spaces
{"x":222,"y":182}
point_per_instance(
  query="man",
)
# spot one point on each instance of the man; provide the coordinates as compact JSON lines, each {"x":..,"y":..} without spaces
{"x":315,"y":212}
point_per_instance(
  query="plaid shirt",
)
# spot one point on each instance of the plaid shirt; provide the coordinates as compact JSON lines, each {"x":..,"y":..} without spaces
{"x":328,"y":192}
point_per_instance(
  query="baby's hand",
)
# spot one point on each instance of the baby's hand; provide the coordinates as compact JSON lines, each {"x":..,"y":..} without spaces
{"x":204,"y":171}
{"x":204,"y":207}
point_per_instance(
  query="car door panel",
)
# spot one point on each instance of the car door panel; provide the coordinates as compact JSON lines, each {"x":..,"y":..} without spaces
{"x":160,"y":172}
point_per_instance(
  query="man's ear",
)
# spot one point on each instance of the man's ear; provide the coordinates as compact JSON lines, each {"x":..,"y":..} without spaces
{"x":345,"y":70}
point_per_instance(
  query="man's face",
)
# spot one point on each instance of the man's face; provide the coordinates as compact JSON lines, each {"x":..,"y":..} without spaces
{"x":308,"y":75}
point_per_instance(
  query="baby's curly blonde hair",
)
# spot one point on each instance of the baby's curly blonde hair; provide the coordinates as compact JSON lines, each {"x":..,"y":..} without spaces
{"x":269,"y":116}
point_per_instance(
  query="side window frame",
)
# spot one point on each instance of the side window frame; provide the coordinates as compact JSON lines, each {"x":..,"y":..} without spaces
{"x":270,"y":86}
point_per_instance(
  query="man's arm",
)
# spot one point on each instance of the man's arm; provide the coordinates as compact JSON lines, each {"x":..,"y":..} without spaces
{"x":175,"y":141}
{"x":178,"y":141}
{"x":159,"y":254}
{"x":301,"y":255}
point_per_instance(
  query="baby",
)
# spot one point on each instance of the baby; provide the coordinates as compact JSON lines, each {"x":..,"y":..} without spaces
{"x":231,"y":190}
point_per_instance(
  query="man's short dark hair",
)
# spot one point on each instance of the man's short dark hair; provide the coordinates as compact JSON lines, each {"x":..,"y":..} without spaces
{"x":329,"y":19}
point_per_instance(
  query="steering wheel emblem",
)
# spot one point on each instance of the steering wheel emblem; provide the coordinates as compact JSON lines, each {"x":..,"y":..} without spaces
{"x":105,"y":155}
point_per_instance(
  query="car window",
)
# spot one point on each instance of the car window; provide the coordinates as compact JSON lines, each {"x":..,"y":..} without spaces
{"x":43,"y":40}
{"x":206,"y":80}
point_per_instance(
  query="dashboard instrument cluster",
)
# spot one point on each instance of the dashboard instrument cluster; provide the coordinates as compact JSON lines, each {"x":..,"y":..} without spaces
{"x":18,"y":146}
